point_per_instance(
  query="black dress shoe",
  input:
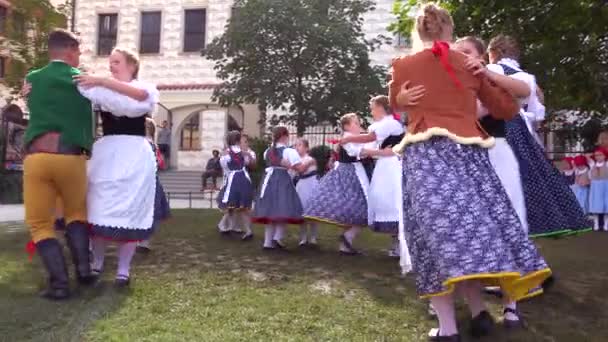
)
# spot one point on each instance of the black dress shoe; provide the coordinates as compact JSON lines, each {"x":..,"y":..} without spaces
{"x":247,"y":237}
{"x":279,"y":245}
{"x":143,"y":250}
{"x":512,"y":324}
{"x":482,"y":325}
{"x":353,"y":252}
{"x":548,"y":284}
{"x":122,"y":282}
{"x":435,"y":337}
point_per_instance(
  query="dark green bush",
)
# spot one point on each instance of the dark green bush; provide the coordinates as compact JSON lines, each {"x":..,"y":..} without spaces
{"x":321,"y":155}
{"x":258,"y":145}
{"x":11,"y":187}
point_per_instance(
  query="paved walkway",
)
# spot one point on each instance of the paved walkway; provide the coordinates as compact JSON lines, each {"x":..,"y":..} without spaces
{"x":16,"y":212}
{"x":11,"y":212}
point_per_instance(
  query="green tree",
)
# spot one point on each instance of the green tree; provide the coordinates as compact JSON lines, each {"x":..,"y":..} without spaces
{"x":564,"y":42}
{"x":26,"y":35}
{"x":308,"y":57}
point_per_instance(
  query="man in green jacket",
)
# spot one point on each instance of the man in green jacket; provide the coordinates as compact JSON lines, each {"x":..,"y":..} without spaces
{"x":58,"y":139}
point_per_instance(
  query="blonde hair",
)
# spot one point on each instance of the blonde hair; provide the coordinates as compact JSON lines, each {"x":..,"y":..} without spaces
{"x":132,"y":59}
{"x":434,"y":23}
{"x":150,"y":128}
{"x":347,"y":119}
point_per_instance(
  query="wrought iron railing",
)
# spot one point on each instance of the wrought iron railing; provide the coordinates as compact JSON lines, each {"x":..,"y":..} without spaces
{"x":191,"y":197}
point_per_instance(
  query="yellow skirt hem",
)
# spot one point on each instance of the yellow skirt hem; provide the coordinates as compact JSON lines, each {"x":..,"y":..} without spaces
{"x":514,"y":286}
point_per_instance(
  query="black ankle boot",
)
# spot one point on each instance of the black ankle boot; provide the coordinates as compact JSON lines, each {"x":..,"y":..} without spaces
{"x":51,"y":253}
{"x":77,"y":236}
{"x":482,"y":325}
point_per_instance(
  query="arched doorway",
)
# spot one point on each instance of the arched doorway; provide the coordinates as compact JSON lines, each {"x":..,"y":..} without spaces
{"x":190,"y":134}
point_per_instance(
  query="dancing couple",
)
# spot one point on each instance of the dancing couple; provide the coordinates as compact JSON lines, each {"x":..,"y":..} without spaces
{"x":113,"y":195}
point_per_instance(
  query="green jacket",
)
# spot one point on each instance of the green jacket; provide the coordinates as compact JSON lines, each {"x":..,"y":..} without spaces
{"x":55,"y":105}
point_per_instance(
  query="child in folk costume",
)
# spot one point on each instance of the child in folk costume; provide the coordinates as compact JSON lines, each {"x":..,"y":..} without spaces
{"x":162,"y":211}
{"x":278,"y":203}
{"x":236,"y":196}
{"x":385,"y":191}
{"x":341,"y":197}
{"x":551,"y":207}
{"x":582,"y":181}
{"x":566,"y":166}
{"x":461,"y":236}
{"x":598,"y":191}
{"x":305,"y":185}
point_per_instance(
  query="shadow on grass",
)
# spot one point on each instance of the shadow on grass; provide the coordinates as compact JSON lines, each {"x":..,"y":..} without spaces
{"x":197,"y":285}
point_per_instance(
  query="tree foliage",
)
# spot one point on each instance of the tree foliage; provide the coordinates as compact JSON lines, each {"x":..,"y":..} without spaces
{"x":26,"y":34}
{"x":308,"y":57}
{"x":564,"y":42}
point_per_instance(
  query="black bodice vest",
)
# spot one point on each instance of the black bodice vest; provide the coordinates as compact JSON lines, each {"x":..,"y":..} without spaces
{"x":122,"y":125}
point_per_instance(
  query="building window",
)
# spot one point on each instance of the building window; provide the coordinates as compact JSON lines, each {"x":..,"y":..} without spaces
{"x":190,"y":135}
{"x":106,"y":33}
{"x":194,"y":30}
{"x":403,"y":41}
{"x":149,"y":40}
{"x":2,"y":67}
{"x":3,"y":13}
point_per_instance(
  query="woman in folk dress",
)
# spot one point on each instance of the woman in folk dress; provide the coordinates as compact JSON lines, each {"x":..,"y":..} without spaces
{"x":460,"y":234}
{"x":122,"y":170}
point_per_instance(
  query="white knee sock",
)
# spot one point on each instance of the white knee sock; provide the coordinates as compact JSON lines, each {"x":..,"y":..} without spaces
{"x":269,"y":235}
{"x":144,"y":243}
{"x":510,"y":316}
{"x":279,"y":232}
{"x":223,"y":225}
{"x":125,"y":255}
{"x":444,"y":306}
{"x":471,"y":291}
{"x":596,"y":222}
{"x":605,"y":222}
{"x":246,"y":221}
{"x":303,"y":233}
{"x":99,"y":253}
{"x":351,"y":234}
{"x":313,"y":230}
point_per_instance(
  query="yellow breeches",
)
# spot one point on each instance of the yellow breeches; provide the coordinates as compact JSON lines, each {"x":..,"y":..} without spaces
{"x":53,"y":182}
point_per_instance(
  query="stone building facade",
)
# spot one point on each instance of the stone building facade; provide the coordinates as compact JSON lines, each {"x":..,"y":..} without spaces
{"x":169,"y":35}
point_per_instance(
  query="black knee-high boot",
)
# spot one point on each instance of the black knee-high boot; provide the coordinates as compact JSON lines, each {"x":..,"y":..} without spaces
{"x":51,"y":253}
{"x":77,"y":236}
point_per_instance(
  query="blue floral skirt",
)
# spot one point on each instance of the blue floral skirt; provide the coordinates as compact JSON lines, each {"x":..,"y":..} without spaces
{"x":551,"y":206}
{"x":339,"y":199}
{"x":460,"y":225}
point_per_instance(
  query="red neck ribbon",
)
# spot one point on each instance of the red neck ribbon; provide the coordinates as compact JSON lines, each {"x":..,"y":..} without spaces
{"x":441,"y":50}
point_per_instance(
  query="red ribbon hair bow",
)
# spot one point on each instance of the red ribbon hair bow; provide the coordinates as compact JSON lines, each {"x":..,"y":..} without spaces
{"x":441,"y":50}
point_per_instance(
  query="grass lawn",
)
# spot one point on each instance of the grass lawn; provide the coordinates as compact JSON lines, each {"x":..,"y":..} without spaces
{"x":198,"y":286}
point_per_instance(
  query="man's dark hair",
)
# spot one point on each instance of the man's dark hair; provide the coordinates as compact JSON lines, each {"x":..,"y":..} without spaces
{"x":61,"y":39}
{"x":215,"y":152}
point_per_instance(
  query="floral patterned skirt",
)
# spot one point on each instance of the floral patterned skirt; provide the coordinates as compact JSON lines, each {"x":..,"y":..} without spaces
{"x":460,"y":225}
{"x":552,"y":208}
{"x":339,"y":198}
